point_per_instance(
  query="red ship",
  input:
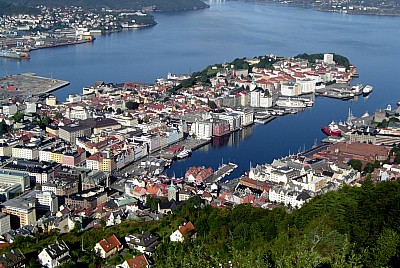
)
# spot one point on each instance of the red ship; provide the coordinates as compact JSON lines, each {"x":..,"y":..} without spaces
{"x":332,"y":129}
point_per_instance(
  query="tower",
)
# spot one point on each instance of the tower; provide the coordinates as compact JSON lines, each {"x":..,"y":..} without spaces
{"x":172,"y":192}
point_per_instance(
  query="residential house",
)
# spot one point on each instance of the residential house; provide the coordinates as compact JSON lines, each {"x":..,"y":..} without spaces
{"x":136,"y":262}
{"x":13,"y":258}
{"x":144,"y":243}
{"x":54,"y":255}
{"x":108,"y":247}
{"x":186,"y":231}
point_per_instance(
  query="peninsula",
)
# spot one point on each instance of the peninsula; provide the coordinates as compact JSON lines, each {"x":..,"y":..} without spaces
{"x":83,"y":181}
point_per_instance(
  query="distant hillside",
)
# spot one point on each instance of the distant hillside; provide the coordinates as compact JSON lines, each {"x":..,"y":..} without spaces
{"x":9,"y":8}
{"x":160,"y":5}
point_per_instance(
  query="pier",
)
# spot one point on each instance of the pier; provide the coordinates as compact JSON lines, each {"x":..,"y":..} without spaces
{"x":23,"y":85}
{"x":222,"y":171}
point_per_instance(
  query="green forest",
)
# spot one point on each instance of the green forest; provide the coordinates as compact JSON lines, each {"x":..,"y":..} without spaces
{"x":340,"y":60}
{"x":160,"y":5}
{"x":9,"y":8}
{"x":352,"y":227}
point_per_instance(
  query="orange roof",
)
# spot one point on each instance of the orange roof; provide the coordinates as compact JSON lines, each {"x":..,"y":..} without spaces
{"x":187,"y":228}
{"x":110,"y":243}
{"x":139,"y":261}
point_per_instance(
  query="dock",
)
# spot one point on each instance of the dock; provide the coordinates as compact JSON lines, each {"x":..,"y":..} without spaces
{"x":28,"y":84}
{"x":221,"y":172}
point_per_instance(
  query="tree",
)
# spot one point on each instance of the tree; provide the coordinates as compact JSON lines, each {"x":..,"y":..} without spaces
{"x":369,"y":168}
{"x":152,"y":203}
{"x":130,"y":105}
{"x":4,"y":128}
{"x":212,"y":104}
{"x":18,"y":117}
{"x":355,"y":164}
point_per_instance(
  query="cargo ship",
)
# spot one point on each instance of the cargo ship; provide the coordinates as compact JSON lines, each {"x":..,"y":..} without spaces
{"x":14,"y":54}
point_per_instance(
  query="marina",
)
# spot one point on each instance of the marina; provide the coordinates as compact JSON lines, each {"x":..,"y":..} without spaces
{"x":222,"y":171}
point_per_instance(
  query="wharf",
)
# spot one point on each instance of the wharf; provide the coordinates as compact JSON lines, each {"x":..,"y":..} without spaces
{"x":222,"y":171}
{"x":26,"y":84}
{"x":339,"y":91}
{"x":61,"y":43}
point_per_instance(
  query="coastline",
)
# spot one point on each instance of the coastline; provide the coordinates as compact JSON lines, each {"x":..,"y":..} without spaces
{"x":327,"y":10}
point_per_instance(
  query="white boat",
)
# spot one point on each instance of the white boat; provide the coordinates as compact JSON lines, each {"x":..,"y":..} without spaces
{"x":357,"y":88}
{"x":183,"y":154}
{"x":367,"y":89}
{"x":290,"y":103}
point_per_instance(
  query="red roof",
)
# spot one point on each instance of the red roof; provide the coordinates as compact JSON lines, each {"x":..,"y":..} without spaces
{"x":139,"y":261}
{"x":110,"y":243}
{"x":187,"y":228}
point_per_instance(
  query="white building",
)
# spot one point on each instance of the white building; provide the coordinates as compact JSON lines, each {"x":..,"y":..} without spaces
{"x":290,"y":89}
{"x":10,"y":109}
{"x":247,"y":116}
{"x":328,"y":58}
{"x":202,"y":129}
{"x":54,"y":255}
{"x":29,"y":153}
{"x":5,"y":225}
{"x":306,"y":86}
{"x":46,"y":201}
{"x":30,"y":107}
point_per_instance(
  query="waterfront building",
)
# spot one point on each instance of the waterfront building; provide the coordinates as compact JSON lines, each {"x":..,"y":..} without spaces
{"x":290,"y":89}
{"x":233,"y":118}
{"x":202,"y":129}
{"x":220,"y":127}
{"x":247,"y":116}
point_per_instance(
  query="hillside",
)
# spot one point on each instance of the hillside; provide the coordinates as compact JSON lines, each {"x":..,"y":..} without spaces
{"x":9,"y":8}
{"x":352,"y":227}
{"x":159,"y":5}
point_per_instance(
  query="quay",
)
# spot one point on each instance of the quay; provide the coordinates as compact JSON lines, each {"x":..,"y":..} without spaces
{"x":222,"y":171}
{"x":27,"y":84}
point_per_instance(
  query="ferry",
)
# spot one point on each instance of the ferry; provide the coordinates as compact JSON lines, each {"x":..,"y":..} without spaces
{"x":290,"y":103}
{"x":14,"y":55}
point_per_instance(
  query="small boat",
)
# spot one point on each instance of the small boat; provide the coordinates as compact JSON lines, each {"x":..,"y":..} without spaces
{"x":366,"y":90}
{"x":357,"y":88}
{"x":184,"y":153}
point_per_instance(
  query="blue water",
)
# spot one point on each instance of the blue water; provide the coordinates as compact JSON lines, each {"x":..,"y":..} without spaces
{"x":189,"y":41}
